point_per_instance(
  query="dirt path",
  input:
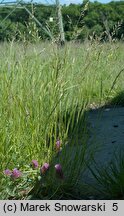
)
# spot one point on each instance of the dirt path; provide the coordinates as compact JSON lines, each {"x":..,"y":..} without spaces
{"x":106,"y":128}
{"x":107,"y":132}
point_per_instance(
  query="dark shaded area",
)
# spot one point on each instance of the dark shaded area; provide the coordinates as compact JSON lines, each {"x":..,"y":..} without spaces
{"x":105,"y":176}
{"x":118,"y":100}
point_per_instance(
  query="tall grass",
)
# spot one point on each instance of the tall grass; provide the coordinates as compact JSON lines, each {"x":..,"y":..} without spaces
{"x":110,"y":179}
{"x":44,"y":94}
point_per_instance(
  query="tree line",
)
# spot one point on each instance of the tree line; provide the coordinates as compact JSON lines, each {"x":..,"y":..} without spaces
{"x":81,"y":21}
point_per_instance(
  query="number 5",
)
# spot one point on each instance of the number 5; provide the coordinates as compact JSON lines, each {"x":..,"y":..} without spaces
{"x":115,"y":207}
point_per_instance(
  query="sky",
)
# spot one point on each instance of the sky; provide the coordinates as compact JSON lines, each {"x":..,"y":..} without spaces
{"x":80,"y":1}
{"x":73,"y":1}
{"x":61,"y":1}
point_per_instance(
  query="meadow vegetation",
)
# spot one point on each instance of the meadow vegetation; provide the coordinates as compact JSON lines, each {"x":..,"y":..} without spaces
{"x":45,"y":92}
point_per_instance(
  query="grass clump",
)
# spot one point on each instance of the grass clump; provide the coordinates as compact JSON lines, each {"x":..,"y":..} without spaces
{"x":110,"y":179}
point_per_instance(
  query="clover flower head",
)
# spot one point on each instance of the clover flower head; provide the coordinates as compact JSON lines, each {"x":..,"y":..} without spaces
{"x":58,"y":146}
{"x":16,"y":173}
{"x":44,"y":168}
{"x":59,"y":171}
{"x":58,"y":167}
{"x":34,"y":164}
{"x":7,"y":172}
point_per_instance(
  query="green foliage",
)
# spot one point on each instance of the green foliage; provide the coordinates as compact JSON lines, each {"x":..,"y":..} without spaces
{"x":97,"y":18}
{"x":83,"y":34}
{"x":110,"y":179}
